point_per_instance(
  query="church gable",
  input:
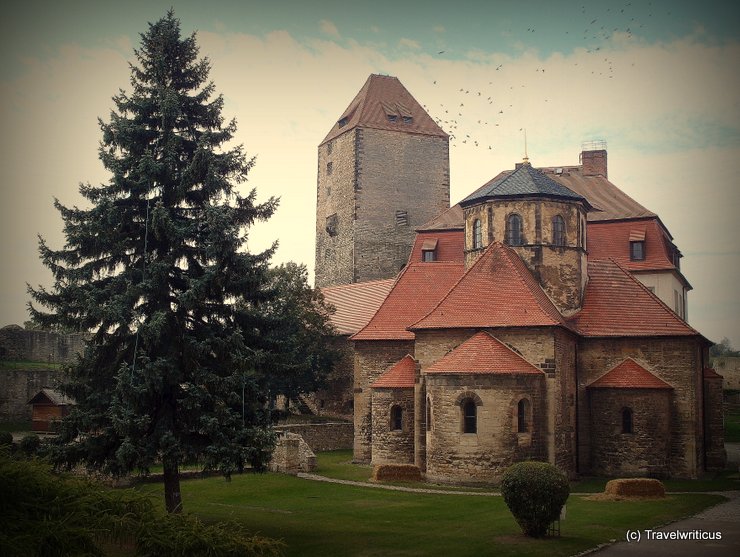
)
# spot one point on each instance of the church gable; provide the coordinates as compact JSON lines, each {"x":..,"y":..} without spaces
{"x":629,"y":375}
{"x":497,"y":291}
{"x":483,"y":353}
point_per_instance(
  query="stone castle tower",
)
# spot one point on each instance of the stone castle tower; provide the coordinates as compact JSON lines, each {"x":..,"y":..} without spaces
{"x":383,"y":172}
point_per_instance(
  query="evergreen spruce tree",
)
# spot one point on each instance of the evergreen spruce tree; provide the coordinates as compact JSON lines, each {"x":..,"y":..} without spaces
{"x":156,"y":269}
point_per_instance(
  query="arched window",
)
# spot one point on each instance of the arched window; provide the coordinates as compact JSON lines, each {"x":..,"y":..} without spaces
{"x":522,"y":413}
{"x":558,"y":231}
{"x":627,"y":420}
{"x":470,"y":416}
{"x":396,"y":418}
{"x":514,"y":230}
{"x":477,"y":234}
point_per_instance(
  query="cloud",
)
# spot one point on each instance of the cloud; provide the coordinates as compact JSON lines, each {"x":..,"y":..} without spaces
{"x":439,"y":29}
{"x":409,"y":43}
{"x":328,"y":28}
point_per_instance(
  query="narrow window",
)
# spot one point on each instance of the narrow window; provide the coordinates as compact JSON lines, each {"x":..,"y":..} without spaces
{"x":429,"y":414}
{"x":402,"y":218}
{"x":332,"y":223}
{"x":637,"y":251}
{"x":523,"y":416}
{"x":514,"y":230}
{"x":329,"y":147}
{"x":396,"y":418}
{"x":329,"y":168}
{"x":626,"y":420}
{"x":558,"y":230}
{"x":477,"y":234}
{"x":583,"y":235}
{"x":470,"y":419}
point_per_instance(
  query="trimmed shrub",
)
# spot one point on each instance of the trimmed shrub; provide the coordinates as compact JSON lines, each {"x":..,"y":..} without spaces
{"x":635,"y":487}
{"x":6,"y":439}
{"x":535,"y":492}
{"x":396,"y":473}
{"x":30,"y":444}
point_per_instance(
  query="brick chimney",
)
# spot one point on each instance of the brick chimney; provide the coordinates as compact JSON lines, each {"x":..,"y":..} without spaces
{"x":593,"y":159}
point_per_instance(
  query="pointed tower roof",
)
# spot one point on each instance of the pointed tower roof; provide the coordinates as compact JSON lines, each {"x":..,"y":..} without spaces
{"x":629,"y":375}
{"x":400,"y":375}
{"x":525,"y":181}
{"x":497,"y":291}
{"x":384,"y":103}
{"x":483,"y":353}
{"x":616,"y":304}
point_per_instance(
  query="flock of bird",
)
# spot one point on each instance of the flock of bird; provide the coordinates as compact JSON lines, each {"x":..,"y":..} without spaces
{"x":455,"y":115}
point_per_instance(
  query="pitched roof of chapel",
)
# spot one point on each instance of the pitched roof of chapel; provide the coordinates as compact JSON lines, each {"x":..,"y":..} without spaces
{"x":381,"y":98}
{"x":629,"y":375}
{"x":355,"y":303}
{"x":483,"y":353}
{"x":401,"y":375}
{"x":417,"y":290}
{"x":616,"y":304}
{"x":497,"y":291}
{"x":525,"y":181}
{"x":51,"y":396}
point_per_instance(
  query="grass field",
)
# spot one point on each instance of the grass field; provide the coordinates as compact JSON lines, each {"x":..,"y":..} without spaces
{"x":318,"y":519}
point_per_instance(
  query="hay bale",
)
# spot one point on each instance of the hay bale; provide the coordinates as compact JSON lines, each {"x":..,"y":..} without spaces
{"x":396,"y":473}
{"x":635,"y":487}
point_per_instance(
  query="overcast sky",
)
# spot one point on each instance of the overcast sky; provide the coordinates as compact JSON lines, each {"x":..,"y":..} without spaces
{"x":658,"y":81}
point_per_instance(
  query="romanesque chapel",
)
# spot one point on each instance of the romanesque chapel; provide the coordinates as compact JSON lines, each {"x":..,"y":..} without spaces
{"x":542,"y":317}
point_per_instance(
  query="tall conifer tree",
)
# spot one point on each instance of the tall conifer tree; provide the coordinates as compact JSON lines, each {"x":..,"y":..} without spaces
{"x":157,"y":271}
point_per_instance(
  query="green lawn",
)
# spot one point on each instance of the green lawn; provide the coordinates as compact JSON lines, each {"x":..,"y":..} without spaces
{"x":338,"y":465}
{"x":732,"y":424}
{"x":7,"y":365}
{"x":319,"y":519}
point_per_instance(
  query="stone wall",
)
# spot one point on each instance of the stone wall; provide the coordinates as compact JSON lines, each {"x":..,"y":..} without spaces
{"x":677,"y":361}
{"x":481,"y":457}
{"x":645,"y":451}
{"x":393,"y":446}
{"x":292,"y":455}
{"x":714,"y":429}
{"x":372,"y":359}
{"x":336,"y":399}
{"x":17,"y":343}
{"x":18,"y":386}
{"x":729,"y":368}
{"x":322,"y":437}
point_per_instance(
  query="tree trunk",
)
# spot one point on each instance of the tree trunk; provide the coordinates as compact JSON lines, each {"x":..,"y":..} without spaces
{"x":172,"y":496}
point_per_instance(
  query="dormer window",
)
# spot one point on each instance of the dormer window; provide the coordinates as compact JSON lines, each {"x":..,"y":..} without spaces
{"x":429,"y":250}
{"x":637,"y":250}
{"x":392,"y":117}
{"x":637,"y":245}
{"x":342,"y":122}
{"x":407,"y":119}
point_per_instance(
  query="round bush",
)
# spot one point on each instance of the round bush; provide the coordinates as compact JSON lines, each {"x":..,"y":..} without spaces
{"x":6,"y":439}
{"x":535,"y":492}
{"x":30,"y":444}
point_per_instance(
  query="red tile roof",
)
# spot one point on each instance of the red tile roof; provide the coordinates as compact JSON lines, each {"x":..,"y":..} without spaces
{"x":355,"y":304}
{"x":616,"y":304}
{"x":629,"y":375}
{"x":611,"y":240}
{"x":497,"y":291}
{"x":402,"y":375}
{"x":450,"y":245}
{"x":483,"y":353}
{"x":382,"y":95}
{"x":710,"y":373}
{"x":417,"y":290}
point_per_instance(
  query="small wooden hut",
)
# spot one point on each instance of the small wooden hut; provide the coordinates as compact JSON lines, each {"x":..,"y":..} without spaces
{"x":48,"y":406}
